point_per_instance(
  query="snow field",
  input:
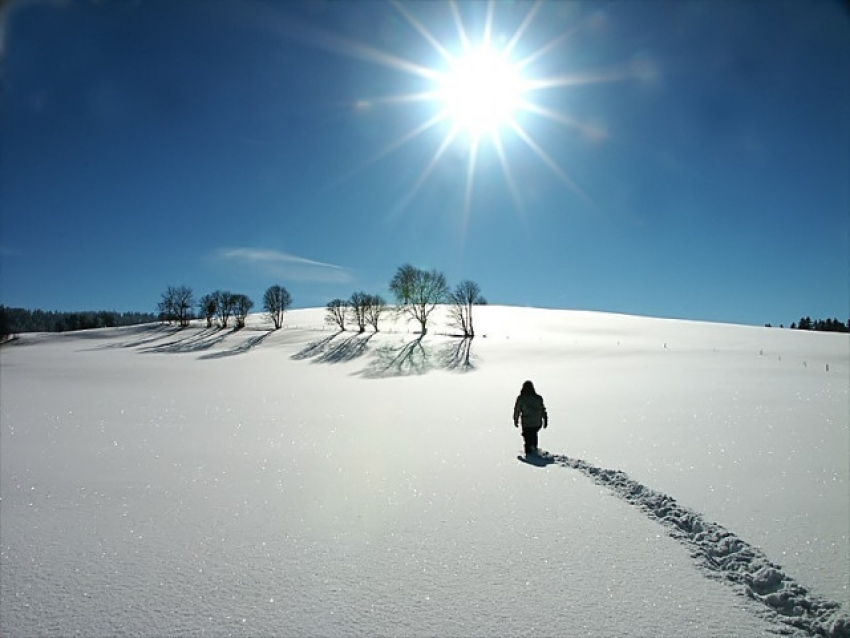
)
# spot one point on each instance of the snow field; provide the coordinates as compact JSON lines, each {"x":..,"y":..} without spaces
{"x":176,"y":483}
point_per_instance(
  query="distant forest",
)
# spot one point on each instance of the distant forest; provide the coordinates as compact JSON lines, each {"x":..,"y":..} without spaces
{"x":821,"y":325}
{"x":17,"y":320}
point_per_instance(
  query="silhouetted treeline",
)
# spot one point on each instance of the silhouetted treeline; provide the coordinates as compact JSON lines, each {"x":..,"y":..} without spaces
{"x":17,"y":320}
{"x":821,"y":325}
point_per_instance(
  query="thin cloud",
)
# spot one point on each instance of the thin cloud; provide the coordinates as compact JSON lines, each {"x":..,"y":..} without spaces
{"x":8,"y":251}
{"x":284,"y":265}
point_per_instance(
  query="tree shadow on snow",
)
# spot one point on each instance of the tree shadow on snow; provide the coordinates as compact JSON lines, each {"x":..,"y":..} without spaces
{"x":142,"y":335}
{"x":719,"y":553}
{"x":334,"y":350}
{"x":315,"y":348}
{"x":393,"y":361}
{"x":242,"y":348}
{"x":197,"y":342}
{"x":346,"y":349}
{"x":457,"y":356}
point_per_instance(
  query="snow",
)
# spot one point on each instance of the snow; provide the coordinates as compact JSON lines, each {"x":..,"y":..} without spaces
{"x":168,"y":482}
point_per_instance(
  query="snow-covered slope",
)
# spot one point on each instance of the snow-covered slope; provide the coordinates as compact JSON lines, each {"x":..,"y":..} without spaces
{"x":162,"y":482}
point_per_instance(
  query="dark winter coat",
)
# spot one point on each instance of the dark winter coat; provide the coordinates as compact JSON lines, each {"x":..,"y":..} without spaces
{"x":532,"y":411}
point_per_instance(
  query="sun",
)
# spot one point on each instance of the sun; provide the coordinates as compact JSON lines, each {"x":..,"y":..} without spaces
{"x":485,"y":92}
{"x":482,"y":91}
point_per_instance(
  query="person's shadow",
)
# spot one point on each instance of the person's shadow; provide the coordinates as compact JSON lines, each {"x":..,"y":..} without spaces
{"x":537,"y":460}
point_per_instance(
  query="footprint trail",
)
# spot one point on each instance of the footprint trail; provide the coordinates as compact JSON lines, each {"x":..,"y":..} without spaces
{"x":722,"y":555}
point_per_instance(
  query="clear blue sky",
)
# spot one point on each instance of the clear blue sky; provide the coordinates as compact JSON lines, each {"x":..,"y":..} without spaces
{"x":673,"y":159}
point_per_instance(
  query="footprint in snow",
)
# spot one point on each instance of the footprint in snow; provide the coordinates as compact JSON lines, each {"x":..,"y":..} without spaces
{"x":720,"y":553}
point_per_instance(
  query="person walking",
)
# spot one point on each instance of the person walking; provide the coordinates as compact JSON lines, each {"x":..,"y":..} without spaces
{"x":531,"y":411}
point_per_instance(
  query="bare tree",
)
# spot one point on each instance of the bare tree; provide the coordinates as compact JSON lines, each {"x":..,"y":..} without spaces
{"x":165,"y":310}
{"x":242,"y":305}
{"x":225,"y":305}
{"x":276,"y":300}
{"x":337,"y":309}
{"x":207,"y":306}
{"x":465,"y":295}
{"x":357,"y":306}
{"x":418,"y":292}
{"x":176,"y":305}
{"x":375,"y":306}
{"x":403,"y":282}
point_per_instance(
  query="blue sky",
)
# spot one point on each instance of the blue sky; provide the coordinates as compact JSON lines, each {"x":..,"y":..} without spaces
{"x":673,"y":159}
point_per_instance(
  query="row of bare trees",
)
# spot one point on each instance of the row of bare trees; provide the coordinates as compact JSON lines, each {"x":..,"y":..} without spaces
{"x":220,"y":306}
{"x":417,"y":293}
{"x":176,"y":305}
{"x":361,"y":309}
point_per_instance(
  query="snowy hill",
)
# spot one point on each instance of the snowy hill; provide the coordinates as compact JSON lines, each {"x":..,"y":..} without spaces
{"x":169,"y":482}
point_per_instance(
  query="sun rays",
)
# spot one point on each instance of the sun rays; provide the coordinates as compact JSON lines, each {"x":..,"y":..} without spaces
{"x":480,"y":96}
